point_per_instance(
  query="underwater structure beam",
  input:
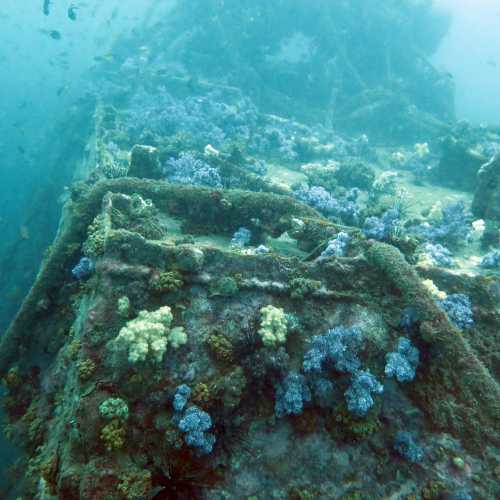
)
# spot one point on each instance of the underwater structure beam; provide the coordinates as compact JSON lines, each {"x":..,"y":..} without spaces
{"x":226,"y":210}
{"x":457,"y":389}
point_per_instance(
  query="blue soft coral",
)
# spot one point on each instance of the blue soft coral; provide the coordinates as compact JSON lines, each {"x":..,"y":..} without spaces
{"x":403,"y":363}
{"x":458,"y":307}
{"x":194,"y":424}
{"x":291,"y":395}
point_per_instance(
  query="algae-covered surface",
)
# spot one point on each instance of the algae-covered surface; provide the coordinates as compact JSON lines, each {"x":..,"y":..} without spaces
{"x":287,"y":293}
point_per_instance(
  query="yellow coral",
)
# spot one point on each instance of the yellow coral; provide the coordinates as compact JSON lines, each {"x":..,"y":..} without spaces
{"x":94,"y":245}
{"x":135,"y":484}
{"x":13,"y":379}
{"x":273,"y":326}
{"x":434,"y":290}
{"x":73,"y":349}
{"x":169,"y":281}
{"x":201,"y":394}
{"x":221,"y":348}
{"x":177,"y":337}
{"x":113,"y":435}
{"x":147,"y":336}
{"x":421,"y":149}
{"x":86,"y":369}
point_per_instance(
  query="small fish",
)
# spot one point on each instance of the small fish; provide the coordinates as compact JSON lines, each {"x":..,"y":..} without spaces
{"x":63,"y":198}
{"x":52,"y":33}
{"x":24,"y":233}
{"x":14,"y":294}
{"x":492,"y":63}
{"x":106,"y":57}
{"x":21,"y":149}
{"x":61,"y":89}
{"x":46,"y":7}
{"x":72,"y":12}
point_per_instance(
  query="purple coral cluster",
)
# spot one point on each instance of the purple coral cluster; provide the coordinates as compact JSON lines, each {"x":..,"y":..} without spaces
{"x":452,"y":229}
{"x":289,"y":140}
{"x":279,"y":137}
{"x":322,"y":390}
{"x":458,"y":307}
{"x":402,"y":364}
{"x":258,"y":167}
{"x":383,"y":228}
{"x":337,"y":347}
{"x":187,"y":169}
{"x":181,"y":397}
{"x":336,"y":247}
{"x":214,"y":118}
{"x":241,"y":238}
{"x":193,"y":421}
{"x":291,"y":395}
{"x":439,"y":254}
{"x":359,"y":394}
{"x":83,"y":269}
{"x":194,"y":424}
{"x":407,"y":447}
{"x":420,"y":165}
{"x":319,"y":198}
{"x":337,"y":350}
{"x":491,"y":260}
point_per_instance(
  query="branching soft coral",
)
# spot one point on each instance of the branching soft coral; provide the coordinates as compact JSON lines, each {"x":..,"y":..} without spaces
{"x":195,"y":424}
{"x":359,"y":395}
{"x":147,"y":336}
{"x":273,"y":327}
{"x":291,"y":395}
{"x":187,"y":169}
{"x":338,"y":347}
{"x":402,"y":363}
{"x":452,"y":229}
{"x":458,"y":307}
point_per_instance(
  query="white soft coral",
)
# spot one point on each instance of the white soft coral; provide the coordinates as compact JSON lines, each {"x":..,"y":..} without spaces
{"x":147,"y":336}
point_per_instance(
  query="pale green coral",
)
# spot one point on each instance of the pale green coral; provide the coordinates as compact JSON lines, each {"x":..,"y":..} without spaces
{"x":170,"y":281}
{"x":113,"y":408}
{"x":147,"y":336}
{"x":86,"y":369}
{"x":177,"y":337}
{"x":94,"y":245}
{"x":113,"y":435}
{"x":273,"y":326}
{"x":123,"y":306}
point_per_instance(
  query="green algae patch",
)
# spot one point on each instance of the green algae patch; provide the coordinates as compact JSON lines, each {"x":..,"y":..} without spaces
{"x":285,"y":176}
